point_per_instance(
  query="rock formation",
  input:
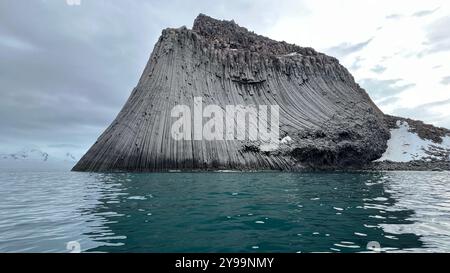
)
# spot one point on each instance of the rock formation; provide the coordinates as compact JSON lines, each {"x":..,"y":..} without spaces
{"x":325,"y":117}
{"x":414,"y":145}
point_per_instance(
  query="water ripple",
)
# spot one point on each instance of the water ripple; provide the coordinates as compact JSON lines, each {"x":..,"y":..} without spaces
{"x":225,"y":212}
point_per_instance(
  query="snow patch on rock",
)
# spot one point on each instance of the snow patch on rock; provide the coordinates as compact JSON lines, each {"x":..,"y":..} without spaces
{"x":405,"y":146}
{"x":272,"y":146}
{"x":292,"y":54}
{"x":286,"y":140}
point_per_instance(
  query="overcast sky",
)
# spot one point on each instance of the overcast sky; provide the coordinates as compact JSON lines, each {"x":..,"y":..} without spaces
{"x":66,"y":70}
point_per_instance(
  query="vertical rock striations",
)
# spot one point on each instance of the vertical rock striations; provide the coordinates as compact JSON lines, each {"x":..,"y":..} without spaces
{"x":328,"y":119}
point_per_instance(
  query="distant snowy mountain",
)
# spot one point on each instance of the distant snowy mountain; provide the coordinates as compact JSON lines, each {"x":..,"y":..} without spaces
{"x":36,"y":159}
{"x":27,"y":154}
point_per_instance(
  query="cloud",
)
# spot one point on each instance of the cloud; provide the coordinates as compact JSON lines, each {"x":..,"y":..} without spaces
{"x":382,"y":89}
{"x":345,"y":49}
{"x":356,"y":63}
{"x":394,"y":16}
{"x":388,"y":101}
{"x":65,"y":76}
{"x":379,"y":69}
{"x":427,"y":112}
{"x":435,"y":103}
{"x":13,"y":43}
{"x":423,"y":13}
{"x":62,"y":146}
{"x":438,"y":38}
{"x":420,"y":13}
{"x":445,"y":80}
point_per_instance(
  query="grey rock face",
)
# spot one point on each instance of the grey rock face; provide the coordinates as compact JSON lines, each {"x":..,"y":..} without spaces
{"x":330,"y":118}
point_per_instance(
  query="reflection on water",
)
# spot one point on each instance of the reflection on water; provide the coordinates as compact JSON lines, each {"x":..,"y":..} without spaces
{"x":224,"y":212}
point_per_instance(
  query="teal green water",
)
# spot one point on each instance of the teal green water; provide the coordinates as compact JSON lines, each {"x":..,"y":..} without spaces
{"x":224,"y":212}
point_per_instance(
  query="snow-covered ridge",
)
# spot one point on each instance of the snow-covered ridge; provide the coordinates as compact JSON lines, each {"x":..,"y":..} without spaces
{"x":405,"y":145}
{"x":35,"y":158}
{"x":27,"y":154}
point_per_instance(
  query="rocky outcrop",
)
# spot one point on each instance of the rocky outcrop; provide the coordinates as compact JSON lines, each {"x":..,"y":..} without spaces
{"x":415,"y":165}
{"x":326,"y":118}
{"x":423,"y":130}
{"x":414,"y":145}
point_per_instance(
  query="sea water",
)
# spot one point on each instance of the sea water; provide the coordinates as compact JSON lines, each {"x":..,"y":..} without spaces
{"x":225,"y":212}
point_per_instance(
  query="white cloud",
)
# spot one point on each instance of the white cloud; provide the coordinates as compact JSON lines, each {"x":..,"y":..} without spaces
{"x":399,"y":47}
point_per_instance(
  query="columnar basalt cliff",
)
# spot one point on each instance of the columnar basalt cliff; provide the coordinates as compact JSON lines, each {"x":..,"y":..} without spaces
{"x":328,"y":119}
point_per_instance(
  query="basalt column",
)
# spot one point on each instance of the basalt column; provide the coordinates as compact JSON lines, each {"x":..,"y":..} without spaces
{"x":326,"y":119}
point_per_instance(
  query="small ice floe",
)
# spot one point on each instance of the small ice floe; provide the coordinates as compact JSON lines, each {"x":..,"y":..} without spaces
{"x":235,"y":193}
{"x":360,"y":234}
{"x":338,"y":209}
{"x":377,"y":216}
{"x":255,"y":247}
{"x":405,"y":146}
{"x":347,"y":245}
{"x":259,"y":222}
{"x":137,"y":198}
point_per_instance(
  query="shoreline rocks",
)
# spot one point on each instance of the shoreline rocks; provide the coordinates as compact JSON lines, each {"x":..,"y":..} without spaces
{"x":418,"y":165}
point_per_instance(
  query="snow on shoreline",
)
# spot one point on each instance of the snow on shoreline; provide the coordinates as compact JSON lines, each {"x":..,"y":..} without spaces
{"x":405,"y":146}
